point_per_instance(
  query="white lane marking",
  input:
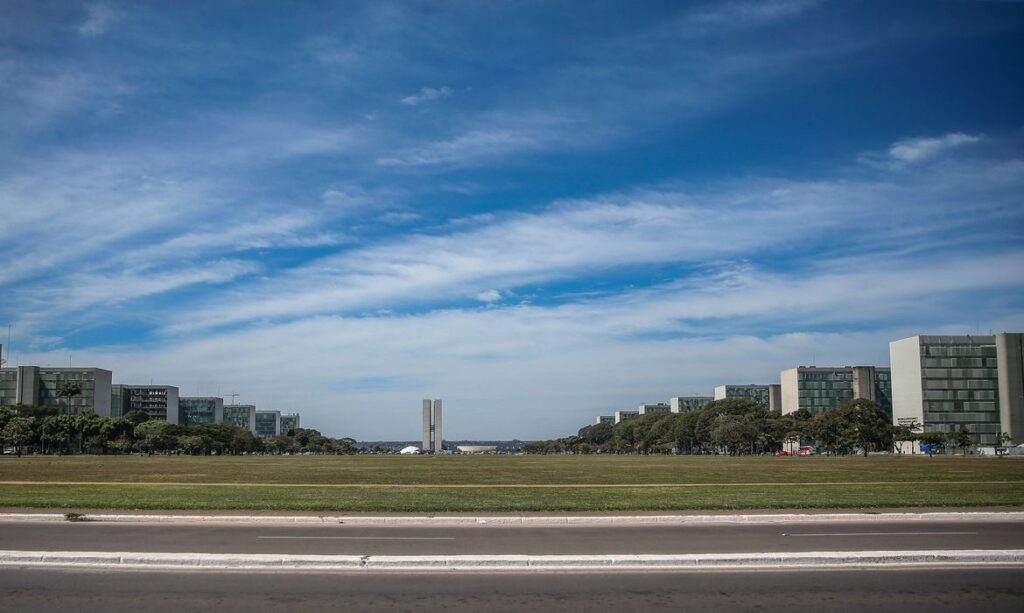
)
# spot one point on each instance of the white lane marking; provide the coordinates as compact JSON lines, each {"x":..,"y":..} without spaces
{"x":366,"y":538}
{"x":879,"y":533}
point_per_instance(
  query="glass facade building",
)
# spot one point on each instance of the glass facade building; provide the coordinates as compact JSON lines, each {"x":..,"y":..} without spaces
{"x":944,"y":383}
{"x":38,"y":386}
{"x":200,"y":410}
{"x":268,"y":423}
{"x":156,"y":401}
{"x":289,"y":422}
{"x":820,"y":389}
{"x":605,"y":419}
{"x":649,"y":409}
{"x":241,"y":415}
{"x":757,"y":393}
{"x":682,"y":404}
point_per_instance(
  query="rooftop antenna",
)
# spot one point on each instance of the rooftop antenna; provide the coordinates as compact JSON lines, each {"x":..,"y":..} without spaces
{"x":2,"y":360}
{"x":233,"y":396}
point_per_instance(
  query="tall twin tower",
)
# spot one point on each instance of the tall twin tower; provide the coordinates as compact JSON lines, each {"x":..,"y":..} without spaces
{"x":432,"y":441}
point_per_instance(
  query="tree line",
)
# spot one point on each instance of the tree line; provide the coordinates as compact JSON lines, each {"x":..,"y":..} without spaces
{"x":35,"y":429}
{"x":739,"y":426}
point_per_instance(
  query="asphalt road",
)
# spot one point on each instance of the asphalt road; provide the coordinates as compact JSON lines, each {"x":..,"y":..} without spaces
{"x":931,"y":590}
{"x":467,"y":540}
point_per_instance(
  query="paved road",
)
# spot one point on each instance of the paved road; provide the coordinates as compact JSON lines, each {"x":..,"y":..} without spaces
{"x":395,"y":540}
{"x":992,"y":590}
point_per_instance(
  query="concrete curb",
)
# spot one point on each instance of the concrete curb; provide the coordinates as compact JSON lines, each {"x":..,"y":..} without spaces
{"x":529,"y":520}
{"x":741,"y":561}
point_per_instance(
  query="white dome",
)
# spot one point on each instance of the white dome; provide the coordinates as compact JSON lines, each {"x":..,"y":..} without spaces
{"x":410,"y":449}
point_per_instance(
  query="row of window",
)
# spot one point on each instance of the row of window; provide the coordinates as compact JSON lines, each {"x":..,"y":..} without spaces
{"x":959,"y":395}
{"x":939,"y":417}
{"x":973,"y":427}
{"x":947,"y":405}
{"x":959,"y":362}
{"x":961,"y":373}
{"x":959,"y":350}
{"x":960,"y":384}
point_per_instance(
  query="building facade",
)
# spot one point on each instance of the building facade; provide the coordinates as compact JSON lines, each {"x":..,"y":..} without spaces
{"x":605,"y":419}
{"x":682,"y":404}
{"x":775,"y":397}
{"x":156,"y":401}
{"x":241,"y":415}
{"x":650,"y":409}
{"x":38,"y":386}
{"x":195,"y":410}
{"x":433,"y":441}
{"x":621,"y":416}
{"x":758,"y":393}
{"x":268,"y":423}
{"x":289,"y":422}
{"x":943,"y":383}
{"x":821,"y":389}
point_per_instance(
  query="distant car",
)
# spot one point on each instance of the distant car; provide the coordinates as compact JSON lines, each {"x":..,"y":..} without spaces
{"x":806,"y":451}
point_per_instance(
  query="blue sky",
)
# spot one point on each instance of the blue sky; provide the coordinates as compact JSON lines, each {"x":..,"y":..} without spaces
{"x":538,"y":211}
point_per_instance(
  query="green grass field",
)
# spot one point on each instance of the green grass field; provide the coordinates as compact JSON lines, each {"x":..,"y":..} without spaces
{"x":506,"y":483}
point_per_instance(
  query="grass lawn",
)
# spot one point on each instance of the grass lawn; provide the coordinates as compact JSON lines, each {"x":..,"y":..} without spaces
{"x":691,"y":482}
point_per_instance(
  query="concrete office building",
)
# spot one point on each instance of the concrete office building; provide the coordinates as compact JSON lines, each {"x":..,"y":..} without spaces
{"x":433,"y":441}
{"x":268,"y":423}
{"x":650,"y":409}
{"x":195,"y":410}
{"x":758,"y":393}
{"x":621,"y":416}
{"x":605,"y":419}
{"x":823,"y":389}
{"x":289,"y":422}
{"x":156,"y":401}
{"x":945,"y":382}
{"x":682,"y":404}
{"x":241,"y":415}
{"x":775,"y":397}
{"x":38,"y":385}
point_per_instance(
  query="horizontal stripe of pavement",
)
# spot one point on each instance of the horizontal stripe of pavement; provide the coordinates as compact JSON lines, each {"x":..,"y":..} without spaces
{"x":498,"y":485}
{"x":765,"y":560}
{"x":530,"y":520}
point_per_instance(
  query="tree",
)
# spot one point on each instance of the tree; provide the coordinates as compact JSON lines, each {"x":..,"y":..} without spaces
{"x":960,"y":439}
{"x":136,"y":417}
{"x":193,"y":444}
{"x":86,"y":425}
{"x":68,"y":390}
{"x":58,"y":430}
{"x":733,"y":433}
{"x":861,"y":424}
{"x":19,"y":432}
{"x":153,"y":436}
{"x":347,"y":446}
{"x":116,"y":434}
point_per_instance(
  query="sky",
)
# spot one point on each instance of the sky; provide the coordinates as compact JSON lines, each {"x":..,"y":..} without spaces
{"x":536,"y":211}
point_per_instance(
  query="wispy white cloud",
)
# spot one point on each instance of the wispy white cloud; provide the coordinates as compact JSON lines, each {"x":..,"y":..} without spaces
{"x":428,"y":94}
{"x":491,"y":295}
{"x":499,"y":135}
{"x":914,"y":150}
{"x":99,"y":18}
{"x":747,"y":13}
{"x":750,"y":218}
